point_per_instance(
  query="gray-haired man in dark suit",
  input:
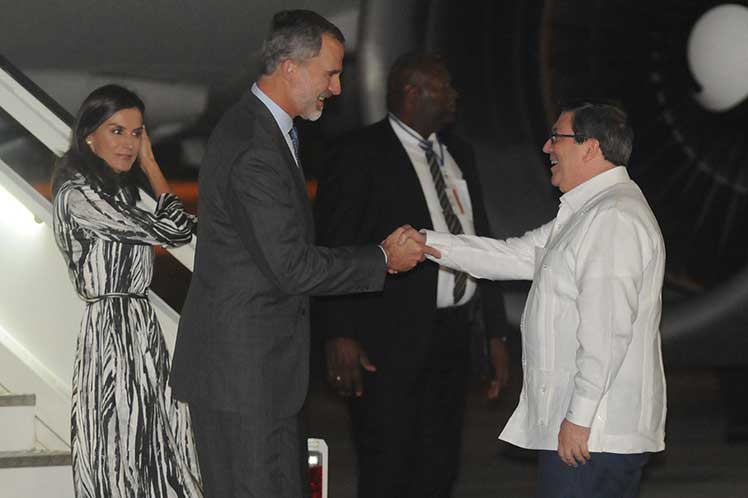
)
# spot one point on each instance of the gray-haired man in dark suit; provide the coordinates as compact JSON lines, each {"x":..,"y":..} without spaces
{"x":242,"y":353}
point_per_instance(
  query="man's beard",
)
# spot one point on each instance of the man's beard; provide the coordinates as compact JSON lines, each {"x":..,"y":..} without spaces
{"x":311,"y":112}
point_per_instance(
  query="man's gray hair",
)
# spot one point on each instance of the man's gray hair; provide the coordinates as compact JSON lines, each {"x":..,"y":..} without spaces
{"x":295,"y":35}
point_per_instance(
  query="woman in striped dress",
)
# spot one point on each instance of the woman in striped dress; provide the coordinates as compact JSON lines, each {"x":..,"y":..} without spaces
{"x":129,"y":437}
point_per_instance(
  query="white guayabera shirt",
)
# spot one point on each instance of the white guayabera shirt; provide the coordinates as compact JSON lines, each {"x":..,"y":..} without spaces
{"x":590,"y":329}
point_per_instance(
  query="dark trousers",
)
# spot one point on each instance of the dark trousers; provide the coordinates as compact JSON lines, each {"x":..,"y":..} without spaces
{"x":605,"y":475}
{"x":243,"y":456}
{"x":408,"y":423}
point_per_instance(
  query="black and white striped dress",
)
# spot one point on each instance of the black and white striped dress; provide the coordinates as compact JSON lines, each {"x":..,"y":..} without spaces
{"x":129,"y":437}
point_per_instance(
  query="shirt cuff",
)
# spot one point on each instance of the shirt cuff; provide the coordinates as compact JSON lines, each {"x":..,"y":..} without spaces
{"x":581,"y":411}
{"x":437,"y":240}
{"x":383,"y":252}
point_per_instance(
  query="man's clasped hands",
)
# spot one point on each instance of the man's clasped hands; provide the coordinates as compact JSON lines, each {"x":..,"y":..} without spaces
{"x":405,"y":248}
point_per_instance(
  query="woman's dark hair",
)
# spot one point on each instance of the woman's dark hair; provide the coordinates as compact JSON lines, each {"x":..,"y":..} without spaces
{"x":99,"y":106}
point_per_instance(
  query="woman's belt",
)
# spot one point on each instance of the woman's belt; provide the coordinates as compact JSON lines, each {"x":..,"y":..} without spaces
{"x":116,"y":295}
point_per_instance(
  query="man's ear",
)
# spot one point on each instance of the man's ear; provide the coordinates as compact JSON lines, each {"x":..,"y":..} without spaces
{"x":592,"y":149}
{"x":288,"y":68}
{"x":410,"y":95}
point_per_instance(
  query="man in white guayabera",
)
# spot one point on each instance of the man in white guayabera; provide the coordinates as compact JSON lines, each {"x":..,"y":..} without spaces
{"x":593,"y":397}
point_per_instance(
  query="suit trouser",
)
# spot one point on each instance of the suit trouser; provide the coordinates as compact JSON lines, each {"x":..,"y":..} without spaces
{"x":245,"y":456}
{"x":408,"y":423}
{"x":605,"y":475}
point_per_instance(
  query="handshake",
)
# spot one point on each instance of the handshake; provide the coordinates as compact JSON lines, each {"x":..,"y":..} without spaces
{"x":405,"y":248}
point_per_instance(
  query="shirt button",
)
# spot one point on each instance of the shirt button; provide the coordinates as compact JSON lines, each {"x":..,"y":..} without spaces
{"x":543,"y":389}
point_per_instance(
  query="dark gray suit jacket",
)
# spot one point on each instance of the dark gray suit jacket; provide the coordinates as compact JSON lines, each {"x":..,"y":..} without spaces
{"x":243,"y":341}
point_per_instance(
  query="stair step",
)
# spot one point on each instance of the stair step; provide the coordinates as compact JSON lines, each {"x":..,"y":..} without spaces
{"x":17,"y":416}
{"x":54,"y":481}
{"x":17,"y":400}
{"x":34,"y":458}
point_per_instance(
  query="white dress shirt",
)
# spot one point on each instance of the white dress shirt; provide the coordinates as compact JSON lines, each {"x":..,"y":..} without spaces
{"x":457,"y":193}
{"x":590,"y":329}
{"x":282,"y":118}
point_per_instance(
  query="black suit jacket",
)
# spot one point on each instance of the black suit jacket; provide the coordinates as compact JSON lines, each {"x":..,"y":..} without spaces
{"x":243,"y":341}
{"x":370,"y":190}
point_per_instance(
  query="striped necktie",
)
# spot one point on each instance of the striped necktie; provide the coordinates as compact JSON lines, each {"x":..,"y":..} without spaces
{"x":453,"y":222}
{"x":295,"y":141}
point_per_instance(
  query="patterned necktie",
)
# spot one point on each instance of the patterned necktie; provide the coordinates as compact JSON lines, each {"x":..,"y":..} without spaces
{"x":453,"y":222}
{"x":295,"y":141}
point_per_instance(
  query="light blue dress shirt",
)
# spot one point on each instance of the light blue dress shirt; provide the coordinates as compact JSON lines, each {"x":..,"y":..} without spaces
{"x":284,"y":121}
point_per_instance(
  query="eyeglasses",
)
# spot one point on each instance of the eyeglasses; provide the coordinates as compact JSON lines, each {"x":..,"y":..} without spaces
{"x":555,"y":136}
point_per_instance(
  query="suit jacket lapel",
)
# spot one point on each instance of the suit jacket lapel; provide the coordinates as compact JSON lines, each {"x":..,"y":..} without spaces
{"x":298,"y":175}
{"x":287,"y":161}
